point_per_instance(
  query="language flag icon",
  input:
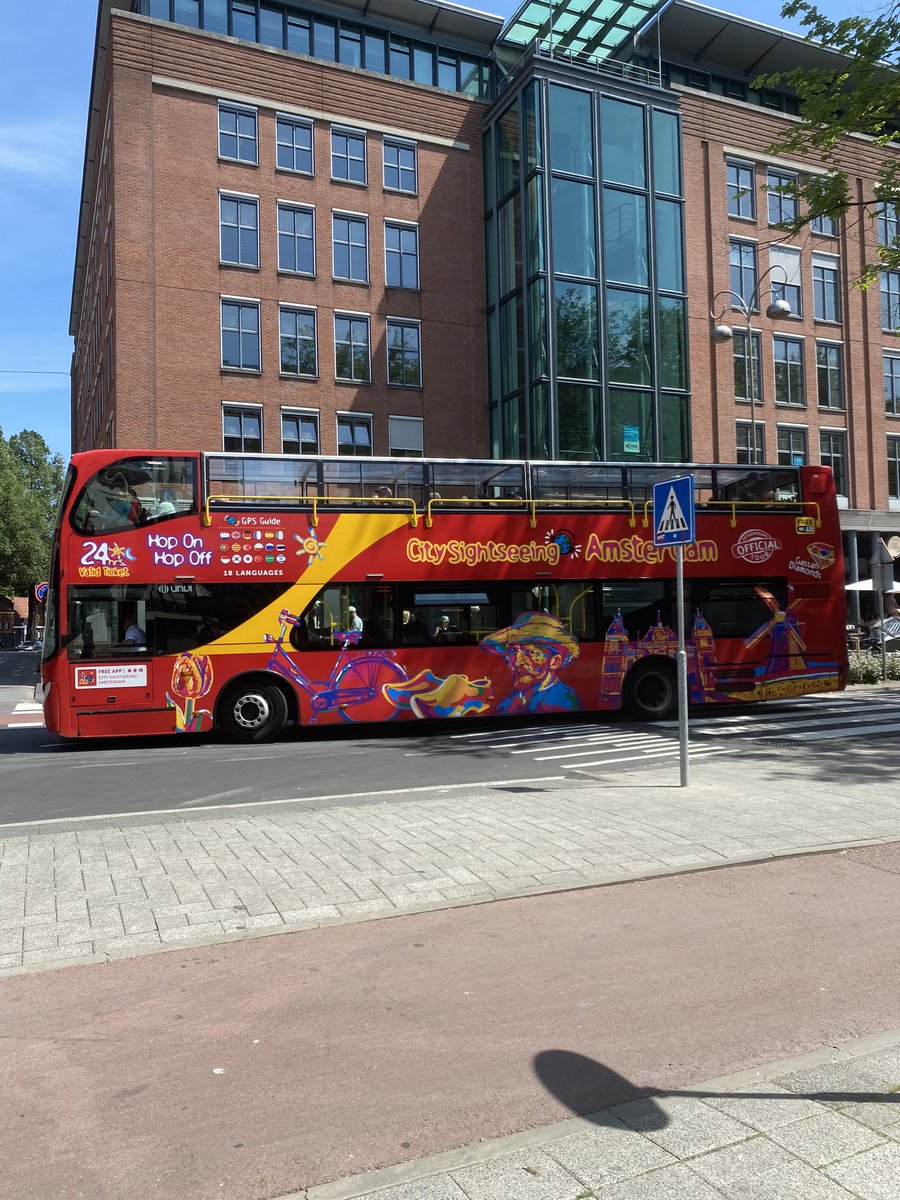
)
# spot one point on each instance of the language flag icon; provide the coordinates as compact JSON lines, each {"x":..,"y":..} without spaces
{"x":673,"y":519}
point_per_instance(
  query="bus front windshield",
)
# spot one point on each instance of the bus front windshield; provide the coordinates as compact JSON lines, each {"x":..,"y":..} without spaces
{"x":136,"y":491}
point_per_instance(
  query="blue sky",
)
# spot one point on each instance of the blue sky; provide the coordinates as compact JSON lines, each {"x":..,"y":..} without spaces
{"x":46,"y":49}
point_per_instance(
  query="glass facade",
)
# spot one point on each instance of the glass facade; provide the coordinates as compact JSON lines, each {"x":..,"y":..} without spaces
{"x":587,"y":312}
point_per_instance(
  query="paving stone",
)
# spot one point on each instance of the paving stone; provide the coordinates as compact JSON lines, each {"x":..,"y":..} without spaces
{"x":606,"y":1154}
{"x":877,"y":1114}
{"x":682,"y":1127}
{"x":796,"y":1182}
{"x":741,"y":1162}
{"x":669,"y":1183}
{"x":825,"y":1138}
{"x":132,"y":943}
{"x":874,"y":1175}
{"x":525,"y":1175}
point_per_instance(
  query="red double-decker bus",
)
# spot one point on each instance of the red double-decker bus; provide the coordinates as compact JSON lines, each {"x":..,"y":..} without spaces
{"x":251,"y":592}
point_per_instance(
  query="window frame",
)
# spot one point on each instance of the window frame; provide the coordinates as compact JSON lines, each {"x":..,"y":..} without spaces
{"x":789,"y":451}
{"x":403,"y":323}
{"x":742,"y":245}
{"x":351,"y":218}
{"x":310,"y":414}
{"x":889,"y":288}
{"x":840,"y":434}
{"x":826,"y":287}
{"x":886,"y":357}
{"x":354,"y":420}
{"x":735,"y":193}
{"x":238,"y":109}
{"x":831,"y":372}
{"x":306,"y":310}
{"x":401,"y":255}
{"x":295,"y":207}
{"x":400,"y":144}
{"x":296,"y":122}
{"x":781,"y":202}
{"x":243,"y":302}
{"x":756,"y":431}
{"x":352,"y":316}
{"x":893,"y":467}
{"x":239,"y":198}
{"x":348,"y":132}
{"x":888,"y":223}
{"x":244,"y":409}
{"x":777,"y":340}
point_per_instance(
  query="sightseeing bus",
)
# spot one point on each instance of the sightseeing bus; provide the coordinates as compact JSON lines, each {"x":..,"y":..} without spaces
{"x":248,"y":593}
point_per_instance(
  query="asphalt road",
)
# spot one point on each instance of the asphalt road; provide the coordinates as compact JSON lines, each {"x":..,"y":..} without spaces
{"x":258,"y":1068}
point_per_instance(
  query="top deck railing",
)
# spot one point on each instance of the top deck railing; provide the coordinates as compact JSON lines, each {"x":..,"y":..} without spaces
{"x":424,"y":488}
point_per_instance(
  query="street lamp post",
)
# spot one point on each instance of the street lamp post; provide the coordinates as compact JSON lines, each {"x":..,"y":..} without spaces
{"x":721,"y":332}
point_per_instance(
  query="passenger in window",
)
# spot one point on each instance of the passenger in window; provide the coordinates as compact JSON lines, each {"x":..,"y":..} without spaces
{"x":354,"y":621}
{"x":134,"y":634}
{"x":443,"y":628}
{"x":410,"y":629}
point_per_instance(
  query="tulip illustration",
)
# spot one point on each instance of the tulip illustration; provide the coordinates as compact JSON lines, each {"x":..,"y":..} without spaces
{"x":192,"y":677}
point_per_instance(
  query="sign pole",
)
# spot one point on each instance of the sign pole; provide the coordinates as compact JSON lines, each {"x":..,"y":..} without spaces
{"x":681,"y":660}
{"x":675,"y":524}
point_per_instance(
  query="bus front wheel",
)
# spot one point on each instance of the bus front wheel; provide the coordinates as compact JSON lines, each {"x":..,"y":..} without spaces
{"x":253,"y":712}
{"x":651,"y":690}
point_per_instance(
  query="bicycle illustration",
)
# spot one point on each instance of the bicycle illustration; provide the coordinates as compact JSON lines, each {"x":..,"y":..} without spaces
{"x":355,"y":683}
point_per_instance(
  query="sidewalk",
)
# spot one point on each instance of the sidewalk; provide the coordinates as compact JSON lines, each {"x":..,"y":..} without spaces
{"x":824,"y":1126}
{"x":90,"y":890}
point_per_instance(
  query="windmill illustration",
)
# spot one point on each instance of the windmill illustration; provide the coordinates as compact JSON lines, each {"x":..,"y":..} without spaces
{"x":784,"y":628}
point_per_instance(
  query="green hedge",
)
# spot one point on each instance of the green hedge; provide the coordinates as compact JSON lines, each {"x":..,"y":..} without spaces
{"x":865,"y":667}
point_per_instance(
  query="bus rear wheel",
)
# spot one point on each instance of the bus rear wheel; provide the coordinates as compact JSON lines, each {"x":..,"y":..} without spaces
{"x":253,"y":712}
{"x":651,"y":691}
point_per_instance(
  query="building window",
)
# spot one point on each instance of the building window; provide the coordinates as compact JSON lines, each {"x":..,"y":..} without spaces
{"x":741,"y":189}
{"x":893,"y":465}
{"x":746,"y":385}
{"x":401,"y":251}
{"x":354,"y":435}
{"x":789,"y":371}
{"x":237,"y":133}
{"x":782,"y":196}
{"x":791,"y":446}
{"x":242,"y":430}
{"x":786,"y":281}
{"x":829,"y":377}
{"x":240,"y":334}
{"x":350,"y":248}
{"x":294,"y":145}
{"x":296,"y":239}
{"x":744,"y":435}
{"x":833,"y":450}
{"x":351,"y":349}
{"x":297,"y":331}
{"x":890,"y":300}
{"x":404,"y":353}
{"x":239,"y":231}
{"x":888,"y":223}
{"x":400,"y":166}
{"x":348,"y":155}
{"x":891,"y":364}
{"x":826,"y":296}
{"x":299,"y":433}
{"x":405,"y":437}
{"x":827,"y":226}
{"x":742,"y":257}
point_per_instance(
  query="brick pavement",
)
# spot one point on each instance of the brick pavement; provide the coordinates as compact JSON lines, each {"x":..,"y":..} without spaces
{"x":825,"y":1126}
{"x":106,"y":888}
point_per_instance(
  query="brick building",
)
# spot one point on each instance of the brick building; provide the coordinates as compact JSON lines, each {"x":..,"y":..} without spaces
{"x":285,"y":213}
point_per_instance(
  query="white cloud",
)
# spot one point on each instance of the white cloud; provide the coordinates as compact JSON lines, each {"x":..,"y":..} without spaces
{"x":43,"y":148}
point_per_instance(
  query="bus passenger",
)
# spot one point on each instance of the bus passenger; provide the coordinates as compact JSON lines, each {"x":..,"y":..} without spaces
{"x":354,"y":624}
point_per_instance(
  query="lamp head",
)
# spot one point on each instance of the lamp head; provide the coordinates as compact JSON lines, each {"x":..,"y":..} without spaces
{"x":778,"y":309}
{"x":722,"y":333}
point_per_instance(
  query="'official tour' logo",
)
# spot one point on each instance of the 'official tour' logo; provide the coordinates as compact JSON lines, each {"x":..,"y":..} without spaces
{"x":755,"y":546}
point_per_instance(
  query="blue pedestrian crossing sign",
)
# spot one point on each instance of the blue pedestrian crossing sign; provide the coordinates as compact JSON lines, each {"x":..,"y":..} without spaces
{"x":673,"y":512}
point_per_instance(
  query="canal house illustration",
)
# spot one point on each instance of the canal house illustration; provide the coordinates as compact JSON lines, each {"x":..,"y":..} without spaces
{"x":620,"y":654}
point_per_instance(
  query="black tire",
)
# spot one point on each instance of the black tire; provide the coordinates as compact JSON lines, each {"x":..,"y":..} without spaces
{"x":651,"y":690}
{"x":253,"y":711}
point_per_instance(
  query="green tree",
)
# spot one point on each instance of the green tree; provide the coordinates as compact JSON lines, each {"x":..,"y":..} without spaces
{"x":31,"y":481}
{"x":861,"y":94}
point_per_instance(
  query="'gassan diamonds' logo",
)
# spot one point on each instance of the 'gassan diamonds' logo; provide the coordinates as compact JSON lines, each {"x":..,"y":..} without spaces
{"x":755,"y":546}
